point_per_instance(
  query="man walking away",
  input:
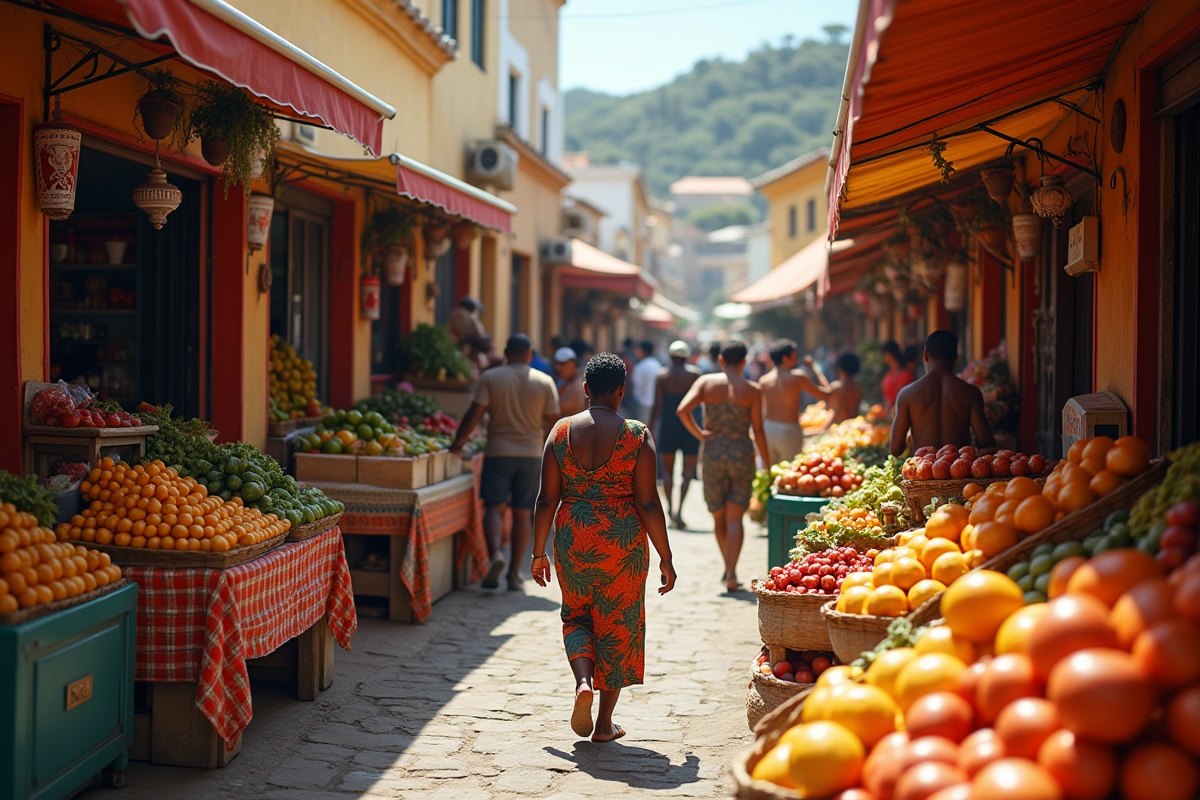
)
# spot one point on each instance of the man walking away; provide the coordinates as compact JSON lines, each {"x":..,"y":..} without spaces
{"x":644,"y":374}
{"x":571,"y":399}
{"x":670,"y":386}
{"x":523,"y":405}
{"x":940,"y":408}
{"x":781,"y":390}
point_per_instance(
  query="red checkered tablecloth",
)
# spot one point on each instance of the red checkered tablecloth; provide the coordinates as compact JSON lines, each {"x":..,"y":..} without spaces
{"x":421,"y":516}
{"x":202,"y":624}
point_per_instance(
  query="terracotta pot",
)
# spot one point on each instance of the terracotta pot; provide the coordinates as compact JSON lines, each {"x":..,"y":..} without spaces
{"x":158,"y":116}
{"x":462,"y":234}
{"x":56,"y":165}
{"x":1052,"y":199}
{"x":963,"y":213}
{"x":993,"y":239}
{"x":1027,"y":231}
{"x":215,"y":151}
{"x":396,"y":264}
{"x":999,"y":182}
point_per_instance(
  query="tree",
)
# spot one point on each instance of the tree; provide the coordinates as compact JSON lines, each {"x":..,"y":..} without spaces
{"x":711,"y":218}
{"x":835,"y":33}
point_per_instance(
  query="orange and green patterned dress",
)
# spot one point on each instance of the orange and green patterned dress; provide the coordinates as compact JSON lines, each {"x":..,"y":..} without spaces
{"x":602,"y":558}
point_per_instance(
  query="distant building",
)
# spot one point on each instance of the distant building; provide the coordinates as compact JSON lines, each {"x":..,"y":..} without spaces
{"x":620,"y":192}
{"x":799,"y":212}
{"x":696,"y":191}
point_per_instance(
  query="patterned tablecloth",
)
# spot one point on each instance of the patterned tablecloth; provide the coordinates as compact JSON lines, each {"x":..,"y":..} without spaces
{"x":202,"y":624}
{"x":422,"y":516}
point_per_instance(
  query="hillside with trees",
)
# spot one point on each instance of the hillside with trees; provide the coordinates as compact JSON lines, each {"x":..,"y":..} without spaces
{"x":721,"y":118}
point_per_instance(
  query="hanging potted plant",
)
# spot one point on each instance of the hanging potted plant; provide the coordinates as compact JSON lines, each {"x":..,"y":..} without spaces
{"x":389,"y":233}
{"x":998,"y":178}
{"x":159,"y":111}
{"x":234,"y":131}
{"x":1027,"y":229}
{"x":991,"y":226}
{"x":463,"y":233}
{"x":437,"y":239}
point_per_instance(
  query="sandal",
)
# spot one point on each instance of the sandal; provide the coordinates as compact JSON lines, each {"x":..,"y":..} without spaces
{"x":618,"y":732}
{"x":581,"y":716}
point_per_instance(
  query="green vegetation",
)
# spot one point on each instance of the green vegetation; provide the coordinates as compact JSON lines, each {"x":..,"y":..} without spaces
{"x":24,"y":493}
{"x":710,"y":218}
{"x":721,"y":118}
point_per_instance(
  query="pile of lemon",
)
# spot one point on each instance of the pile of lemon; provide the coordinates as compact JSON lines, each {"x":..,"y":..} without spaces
{"x":293,"y":380}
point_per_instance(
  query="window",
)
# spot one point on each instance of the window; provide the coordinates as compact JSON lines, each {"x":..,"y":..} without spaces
{"x":518,"y":274}
{"x":792,"y":225}
{"x":812,"y":215}
{"x":514,"y":97}
{"x":477,"y":31}
{"x":446,"y":275}
{"x":450,"y":18}
{"x":545,"y":132}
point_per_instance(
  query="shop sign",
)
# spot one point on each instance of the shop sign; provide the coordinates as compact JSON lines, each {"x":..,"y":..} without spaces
{"x":259,"y":210}
{"x":56,"y":163}
{"x":370,"y":291}
{"x":1083,"y":247}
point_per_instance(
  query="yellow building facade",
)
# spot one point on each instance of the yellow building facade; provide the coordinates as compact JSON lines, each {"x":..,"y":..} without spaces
{"x":798,"y":205}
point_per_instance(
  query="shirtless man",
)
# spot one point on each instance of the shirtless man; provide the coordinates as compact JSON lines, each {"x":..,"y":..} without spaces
{"x":671,"y":384}
{"x":732,"y":407}
{"x":845,"y":394}
{"x":571,"y":399}
{"x":940,"y":408}
{"x":781,"y":390}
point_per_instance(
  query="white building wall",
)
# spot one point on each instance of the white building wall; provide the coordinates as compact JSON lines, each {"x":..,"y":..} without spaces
{"x":514,"y":60}
{"x":613,"y":196}
{"x":758,"y":253}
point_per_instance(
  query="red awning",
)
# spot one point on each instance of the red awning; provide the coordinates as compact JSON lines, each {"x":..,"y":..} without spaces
{"x":216,"y":38}
{"x":926,"y":66}
{"x":591,"y":268}
{"x":427,"y":185}
{"x":791,"y":277}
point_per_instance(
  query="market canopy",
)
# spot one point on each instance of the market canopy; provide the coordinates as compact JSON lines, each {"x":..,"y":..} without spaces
{"x":678,"y":310}
{"x":656,"y":316}
{"x":216,"y":38}
{"x":791,"y":277}
{"x":592,"y":268}
{"x":976,"y":74}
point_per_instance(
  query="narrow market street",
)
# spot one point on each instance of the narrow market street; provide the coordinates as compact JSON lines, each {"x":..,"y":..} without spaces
{"x":474,"y":704}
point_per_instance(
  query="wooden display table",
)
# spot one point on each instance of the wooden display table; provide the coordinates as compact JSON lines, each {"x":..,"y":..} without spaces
{"x":436,"y":541}
{"x":198,"y":628}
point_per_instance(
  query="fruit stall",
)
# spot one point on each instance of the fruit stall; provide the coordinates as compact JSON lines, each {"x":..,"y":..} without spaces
{"x":412,"y":524}
{"x":225,"y":549}
{"x":1038,"y":637}
{"x":66,"y":653}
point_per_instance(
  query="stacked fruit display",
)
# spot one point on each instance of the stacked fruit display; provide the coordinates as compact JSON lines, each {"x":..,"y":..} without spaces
{"x":799,"y":666}
{"x":953,"y":463}
{"x":818,"y":573}
{"x":817,"y":415}
{"x":1171,"y":507}
{"x":399,"y":406}
{"x":55,"y":406}
{"x":152,"y":506}
{"x":817,"y":475}
{"x":292,"y":383}
{"x":1094,"y":694}
{"x":440,"y":423}
{"x":921,"y":566}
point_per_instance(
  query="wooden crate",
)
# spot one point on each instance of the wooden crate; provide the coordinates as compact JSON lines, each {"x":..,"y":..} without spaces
{"x":322,"y":468}
{"x":394,"y":473}
{"x":437,"y":467}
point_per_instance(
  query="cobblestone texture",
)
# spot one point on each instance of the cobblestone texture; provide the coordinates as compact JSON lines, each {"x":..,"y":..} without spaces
{"x":475,"y":704}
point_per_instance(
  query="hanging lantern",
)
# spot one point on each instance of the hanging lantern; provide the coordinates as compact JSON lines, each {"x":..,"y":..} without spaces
{"x":1052,"y":199}
{"x":1027,"y":231}
{"x":56,"y":164}
{"x":395,"y":264}
{"x":955,"y":296}
{"x":157,"y":197}
{"x":370,"y":292}
{"x":259,"y":210}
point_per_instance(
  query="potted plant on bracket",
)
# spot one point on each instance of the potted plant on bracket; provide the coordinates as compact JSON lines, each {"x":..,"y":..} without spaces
{"x":389,"y":233}
{"x":159,"y":111}
{"x":233,"y":129}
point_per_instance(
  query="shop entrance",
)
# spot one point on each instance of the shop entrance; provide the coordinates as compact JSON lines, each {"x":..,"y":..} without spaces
{"x":124,"y":299}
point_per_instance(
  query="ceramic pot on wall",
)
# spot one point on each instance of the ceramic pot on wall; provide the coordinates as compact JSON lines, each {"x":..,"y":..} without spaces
{"x":56,"y":148}
{"x":1027,"y":231}
{"x":370,"y":291}
{"x":259,"y":210}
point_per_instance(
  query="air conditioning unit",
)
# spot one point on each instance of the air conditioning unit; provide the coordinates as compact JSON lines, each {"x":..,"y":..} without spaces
{"x":493,"y":163}
{"x":556,"y":250}
{"x":303,"y":134}
{"x":578,"y":223}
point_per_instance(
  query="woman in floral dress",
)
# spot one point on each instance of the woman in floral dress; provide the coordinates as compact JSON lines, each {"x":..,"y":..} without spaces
{"x":600,"y":493}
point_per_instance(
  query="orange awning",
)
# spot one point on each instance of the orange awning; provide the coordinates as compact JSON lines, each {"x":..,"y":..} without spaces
{"x":592,"y":268}
{"x":791,"y":277}
{"x":944,"y":66}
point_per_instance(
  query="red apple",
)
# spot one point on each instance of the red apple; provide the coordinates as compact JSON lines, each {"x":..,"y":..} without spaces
{"x":941,"y":468}
{"x":1021,"y":468}
{"x":925,"y":471}
{"x":980,"y":468}
{"x":960,"y":469}
{"x":1000,"y":466}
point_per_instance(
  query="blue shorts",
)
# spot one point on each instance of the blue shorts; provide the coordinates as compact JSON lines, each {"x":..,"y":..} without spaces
{"x":510,"y":480}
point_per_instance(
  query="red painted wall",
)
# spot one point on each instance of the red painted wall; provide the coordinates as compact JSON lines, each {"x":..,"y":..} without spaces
{"x":229,"y":300}
{"x":343,"y":311}
{"x":11,"y":152}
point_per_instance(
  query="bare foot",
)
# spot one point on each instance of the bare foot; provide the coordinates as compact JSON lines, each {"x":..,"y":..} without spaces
{"x":732,"y":584}
{"x":581,"y":717}
{"x":614,"y":731}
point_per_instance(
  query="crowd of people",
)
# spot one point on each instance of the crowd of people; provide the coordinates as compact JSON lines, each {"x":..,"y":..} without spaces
{"x":578,"y":444}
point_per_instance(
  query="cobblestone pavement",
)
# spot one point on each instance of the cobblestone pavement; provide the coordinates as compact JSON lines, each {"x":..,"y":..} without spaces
{"x":475,"y":704}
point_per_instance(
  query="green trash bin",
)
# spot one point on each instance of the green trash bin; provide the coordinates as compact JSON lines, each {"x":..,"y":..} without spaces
{"x":785,"y":516}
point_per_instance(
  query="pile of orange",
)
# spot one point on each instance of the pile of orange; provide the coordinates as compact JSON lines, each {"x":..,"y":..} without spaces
{"x":1092,"y":695}
{"x":860,"y":519}
{"x":152,"y":506}
{"x":35,"y":569}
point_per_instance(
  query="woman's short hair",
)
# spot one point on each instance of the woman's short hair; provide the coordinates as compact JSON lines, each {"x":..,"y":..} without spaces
{"x":604,"y":374}
{"x":734,"y":352}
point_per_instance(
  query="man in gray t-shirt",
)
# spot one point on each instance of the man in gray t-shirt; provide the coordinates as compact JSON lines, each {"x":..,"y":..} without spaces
{"x":523,"y":406}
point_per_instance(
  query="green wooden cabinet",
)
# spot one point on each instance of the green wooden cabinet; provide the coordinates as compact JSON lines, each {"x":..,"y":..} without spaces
{"x":66,"y":697}
{"x":785,"y":516}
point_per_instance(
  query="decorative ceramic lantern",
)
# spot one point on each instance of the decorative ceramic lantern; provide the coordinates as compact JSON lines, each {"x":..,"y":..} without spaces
{"x":56,"y":164}
{"x":157,"y":197}
{"x":955,"y":295}
{"x":395,"y":264}
{"x":259,"y":210}
{"x":1052,"y":199}
{"x":370,"y":291}
{"x":1027,"y":231}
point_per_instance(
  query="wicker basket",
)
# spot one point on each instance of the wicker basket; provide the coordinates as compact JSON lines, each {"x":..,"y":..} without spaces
{"x":768,"y":693}
{"x":853,"y":634}
{"x":768,"y":731}
{"x":792,"y":620}
{"x":919,"y":493}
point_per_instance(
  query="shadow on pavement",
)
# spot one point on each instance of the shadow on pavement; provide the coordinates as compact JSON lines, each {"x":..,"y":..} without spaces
{"x":637,"y":767}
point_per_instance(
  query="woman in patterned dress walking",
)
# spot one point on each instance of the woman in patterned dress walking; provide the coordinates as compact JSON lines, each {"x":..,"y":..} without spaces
{"x":599,"y":491}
